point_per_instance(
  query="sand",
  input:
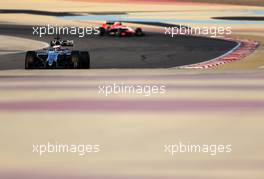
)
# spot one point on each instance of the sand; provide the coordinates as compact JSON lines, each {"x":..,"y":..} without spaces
{"x":234,"y":2}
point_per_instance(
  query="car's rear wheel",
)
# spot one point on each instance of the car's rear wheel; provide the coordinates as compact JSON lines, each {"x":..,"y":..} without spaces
{"x":30,"y":60}
{"x":85,"y":58}
{"x":101,"y":31}
{"x":76,"y":59}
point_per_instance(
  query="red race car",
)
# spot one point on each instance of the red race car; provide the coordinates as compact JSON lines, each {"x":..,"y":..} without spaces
{"x":117,"y":29}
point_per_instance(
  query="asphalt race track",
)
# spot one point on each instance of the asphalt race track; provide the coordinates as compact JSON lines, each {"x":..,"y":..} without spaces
{"x":155,"y":50}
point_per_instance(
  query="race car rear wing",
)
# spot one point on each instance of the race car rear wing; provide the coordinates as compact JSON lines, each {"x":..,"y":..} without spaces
{"x":64,"y":43}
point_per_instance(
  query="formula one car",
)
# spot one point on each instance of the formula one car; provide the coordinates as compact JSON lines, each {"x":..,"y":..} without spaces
{"x":117,"y":29}
{"x":57,"y":56}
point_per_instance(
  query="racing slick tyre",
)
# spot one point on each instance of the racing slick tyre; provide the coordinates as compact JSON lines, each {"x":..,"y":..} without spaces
{"x":101,"y":31}
{"x":30,"y":60}
{"x":85,"y":58}
{"x":139,"y":32}
{"x":76,"y":60}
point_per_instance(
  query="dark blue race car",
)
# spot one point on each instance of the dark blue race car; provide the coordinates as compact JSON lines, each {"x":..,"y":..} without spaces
{"x":57,"y":56}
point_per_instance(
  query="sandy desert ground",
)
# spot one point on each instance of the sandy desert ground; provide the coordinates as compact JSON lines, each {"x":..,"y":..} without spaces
{"x":236,"y":2}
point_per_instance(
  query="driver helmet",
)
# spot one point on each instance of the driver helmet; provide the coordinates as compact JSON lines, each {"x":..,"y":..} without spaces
{"x":57,"y":47}
{"x":117,"y":23}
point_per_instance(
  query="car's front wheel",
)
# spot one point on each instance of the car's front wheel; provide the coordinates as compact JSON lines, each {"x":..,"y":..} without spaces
{"x":85,"y":57}
{"x":139,"y":32}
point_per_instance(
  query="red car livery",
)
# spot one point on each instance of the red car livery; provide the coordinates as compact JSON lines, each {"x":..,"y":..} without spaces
{"x":117,"y":29}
